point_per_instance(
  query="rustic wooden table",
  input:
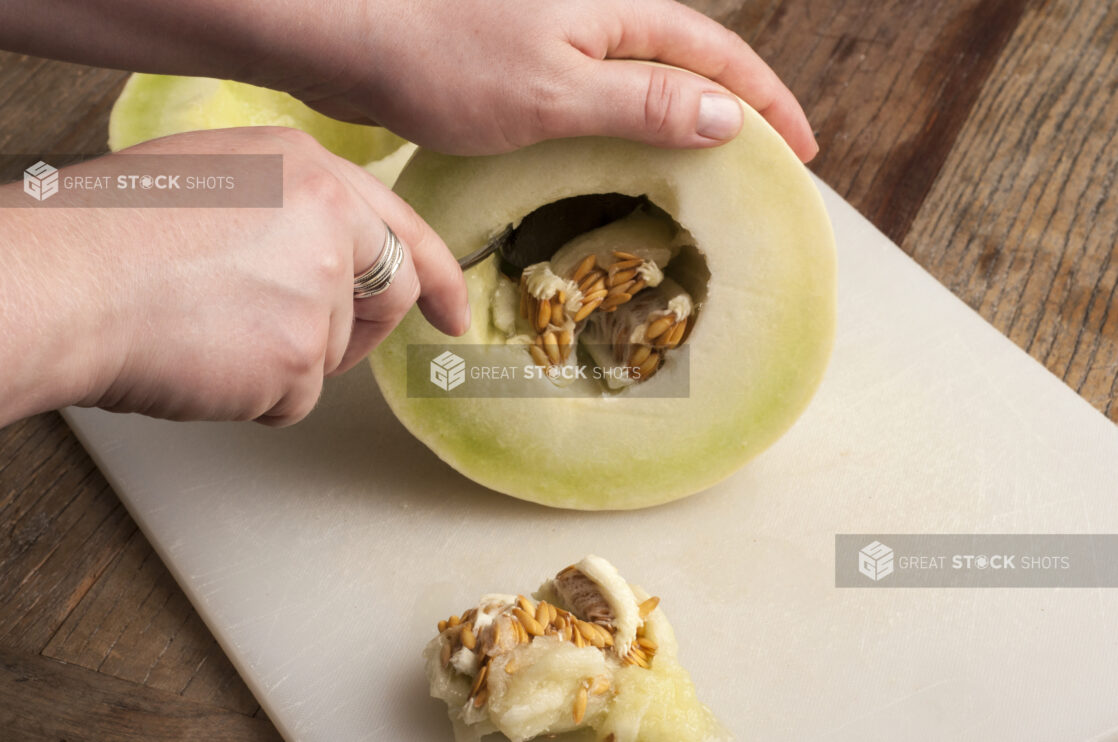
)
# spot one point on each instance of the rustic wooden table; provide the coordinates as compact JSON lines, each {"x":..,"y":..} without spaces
{"x":980,"y":135}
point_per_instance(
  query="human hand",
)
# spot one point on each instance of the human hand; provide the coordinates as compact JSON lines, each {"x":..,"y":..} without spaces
{"x":227,"y":314}
{"x":487,"y":76}
{"x":464,"y":77}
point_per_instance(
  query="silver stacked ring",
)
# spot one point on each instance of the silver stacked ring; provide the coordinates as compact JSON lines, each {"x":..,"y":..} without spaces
{"x":379,"y":277}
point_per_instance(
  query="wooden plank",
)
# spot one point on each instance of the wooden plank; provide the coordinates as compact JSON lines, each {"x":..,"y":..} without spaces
{"x":60,"y":527}
{"x":136,"y":624}
{"x":43,"y":699}
{"x":54,"y":107}
{"x":887,"y":86}
{"x":1022,"y":222}
{"x":79,"y":582}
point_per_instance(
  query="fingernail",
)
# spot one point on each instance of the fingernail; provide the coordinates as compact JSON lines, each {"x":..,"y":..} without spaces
{"x":720,"y":116}
{"x":813,"y":149}
{"x":466,"y":317}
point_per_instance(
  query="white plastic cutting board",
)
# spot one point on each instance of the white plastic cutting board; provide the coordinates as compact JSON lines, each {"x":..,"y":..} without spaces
{"x":323,"y":555}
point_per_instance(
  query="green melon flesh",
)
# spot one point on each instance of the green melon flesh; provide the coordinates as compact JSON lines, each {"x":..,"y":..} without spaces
{"x":757,"y":351}
{"x":152,"y":106}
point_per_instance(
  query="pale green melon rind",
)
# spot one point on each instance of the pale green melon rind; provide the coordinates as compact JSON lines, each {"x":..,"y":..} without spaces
{"x":758,"y":351}
{"x":152,"y":106}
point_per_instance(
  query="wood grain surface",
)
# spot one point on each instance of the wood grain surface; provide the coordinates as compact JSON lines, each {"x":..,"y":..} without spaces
{"x":980,"y":135}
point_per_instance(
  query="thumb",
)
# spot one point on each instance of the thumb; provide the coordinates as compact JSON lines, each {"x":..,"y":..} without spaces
{"x":662,"y":106}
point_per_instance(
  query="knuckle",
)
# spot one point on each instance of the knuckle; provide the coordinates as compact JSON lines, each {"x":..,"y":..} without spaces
{"x":418,"y":231}
{"x":398,"y":309}
{"x":298,"y":402}
{"x":725,"y":35}
{"x":318,"y":188}
{"x":550,"y":98}
{"x":410,"y":291}
{"x":303,"y":352}
{"x":303,"y":406}
{"x":399,"y":303}
{"x":769,"y":92}
{"x":662,"y":98}
{"x":329,"y":267}
{"x":334,"y":358}
{"x":273,"y":421}
{"x":413,"y":296}
{"x":258,"y":412}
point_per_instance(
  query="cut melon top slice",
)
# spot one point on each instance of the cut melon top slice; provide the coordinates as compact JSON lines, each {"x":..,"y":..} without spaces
{"x":152,"y":106}
{"x":757,"y":351}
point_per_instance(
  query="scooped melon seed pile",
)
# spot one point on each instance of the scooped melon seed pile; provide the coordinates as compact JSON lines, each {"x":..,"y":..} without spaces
{"x":591,"y":652}
{"x":506,"y":625}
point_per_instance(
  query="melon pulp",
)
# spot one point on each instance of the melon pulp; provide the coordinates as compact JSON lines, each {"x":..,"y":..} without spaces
{"x":756,"y":352}
{"x":152,"y":106}
{"x":568,"y":665}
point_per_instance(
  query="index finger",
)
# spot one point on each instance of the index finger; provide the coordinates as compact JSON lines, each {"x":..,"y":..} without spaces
{"x":442,"y":288}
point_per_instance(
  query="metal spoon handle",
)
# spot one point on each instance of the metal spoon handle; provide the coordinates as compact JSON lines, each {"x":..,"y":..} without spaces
{"x":469,"y":261}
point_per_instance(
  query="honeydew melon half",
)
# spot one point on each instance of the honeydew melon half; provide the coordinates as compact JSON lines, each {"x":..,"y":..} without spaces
{"x":152,"y":106}
{"x":757,"y":348}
